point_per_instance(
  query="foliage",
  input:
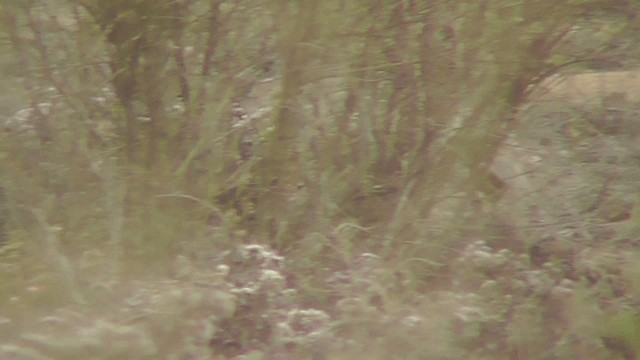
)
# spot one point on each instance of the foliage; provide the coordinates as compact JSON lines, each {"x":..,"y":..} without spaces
{"x":352,"y":143}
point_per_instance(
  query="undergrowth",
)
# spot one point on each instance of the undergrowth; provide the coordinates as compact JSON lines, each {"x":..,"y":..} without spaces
{"x":313,"y":180}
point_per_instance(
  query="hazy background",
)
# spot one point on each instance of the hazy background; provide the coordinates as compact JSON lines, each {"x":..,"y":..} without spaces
{"x":391,"y":183}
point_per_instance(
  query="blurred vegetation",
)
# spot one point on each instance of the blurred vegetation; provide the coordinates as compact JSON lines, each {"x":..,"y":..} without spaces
{"x":295,"y":179}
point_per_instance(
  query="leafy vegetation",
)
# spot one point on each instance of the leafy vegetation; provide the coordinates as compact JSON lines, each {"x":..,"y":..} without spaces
{"x":315,"y":180}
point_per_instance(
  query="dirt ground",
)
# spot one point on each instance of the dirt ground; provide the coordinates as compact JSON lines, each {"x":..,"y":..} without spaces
{"x":573,"y":169}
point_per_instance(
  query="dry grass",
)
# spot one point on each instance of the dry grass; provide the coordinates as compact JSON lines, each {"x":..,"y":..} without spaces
{"x":378,"y":197}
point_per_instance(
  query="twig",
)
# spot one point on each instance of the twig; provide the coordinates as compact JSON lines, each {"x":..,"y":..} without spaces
{"x":58,"y":258}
